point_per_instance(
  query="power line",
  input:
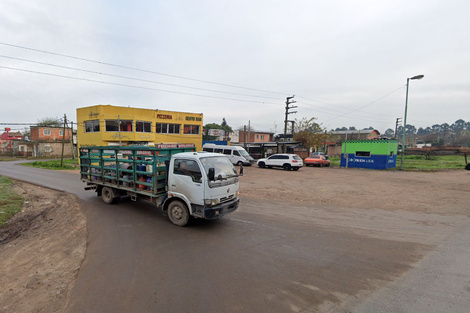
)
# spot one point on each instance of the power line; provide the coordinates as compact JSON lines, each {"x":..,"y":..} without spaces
{"x":133,"y":78}
{"x":361,"y":107}
{"x":133,"y":86}
{"x":138,"y":69}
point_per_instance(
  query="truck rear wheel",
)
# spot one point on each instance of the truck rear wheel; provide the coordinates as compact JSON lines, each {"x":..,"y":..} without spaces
{"x":178,"y":213}
{"x":108,"y":196}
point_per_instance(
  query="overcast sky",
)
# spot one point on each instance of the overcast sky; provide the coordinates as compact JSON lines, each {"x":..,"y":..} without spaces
{"x":346,"y":62}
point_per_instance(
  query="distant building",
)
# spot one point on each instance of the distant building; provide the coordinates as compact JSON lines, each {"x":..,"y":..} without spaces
{"x":47,"y":141}
{"x":254,"y":137}
{"x":6,"y":140}
{"x":337,"y":137}
{"x":373,"y":154}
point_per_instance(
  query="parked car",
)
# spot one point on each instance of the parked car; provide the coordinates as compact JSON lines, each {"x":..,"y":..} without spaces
{"x":317,"y":160}
{"x":286,"y":161}
{"x":320,"y":153}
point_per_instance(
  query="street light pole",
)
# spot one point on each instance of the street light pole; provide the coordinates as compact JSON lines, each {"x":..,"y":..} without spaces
{"x":404,"y":119}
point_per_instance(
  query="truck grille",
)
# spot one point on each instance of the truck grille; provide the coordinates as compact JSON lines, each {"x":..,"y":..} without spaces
{"x":225,"y":199}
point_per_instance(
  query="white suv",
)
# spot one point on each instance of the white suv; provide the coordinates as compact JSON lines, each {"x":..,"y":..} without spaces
{"x":286,"y":161}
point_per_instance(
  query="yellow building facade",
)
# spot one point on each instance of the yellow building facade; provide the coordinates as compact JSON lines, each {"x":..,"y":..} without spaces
{"x":105,"y":125}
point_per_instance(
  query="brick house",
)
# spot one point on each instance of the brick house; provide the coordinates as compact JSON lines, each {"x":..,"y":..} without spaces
{"x":6,"y":140}
{"x":253,"y":137}
{"x":47,"y":141}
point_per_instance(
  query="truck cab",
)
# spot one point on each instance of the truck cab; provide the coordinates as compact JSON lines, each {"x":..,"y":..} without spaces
{"x":206,"y":182}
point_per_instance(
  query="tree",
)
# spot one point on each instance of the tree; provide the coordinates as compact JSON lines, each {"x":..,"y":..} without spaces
{"x":224,"y":126}
{"x":309,"y":133}
{"x":389,"y":133}
{"x":50,"y":122}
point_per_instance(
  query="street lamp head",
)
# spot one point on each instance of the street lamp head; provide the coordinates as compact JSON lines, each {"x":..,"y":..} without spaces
{"x":417,"y":77}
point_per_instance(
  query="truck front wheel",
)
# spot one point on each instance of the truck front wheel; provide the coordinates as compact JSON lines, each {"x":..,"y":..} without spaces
{"x":178,"y":213}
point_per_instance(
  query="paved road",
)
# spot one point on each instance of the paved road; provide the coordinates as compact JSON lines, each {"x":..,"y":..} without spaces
{"x":137,"y":261}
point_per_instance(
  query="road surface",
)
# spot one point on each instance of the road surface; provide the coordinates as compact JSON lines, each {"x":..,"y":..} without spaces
{"x":268,"y":256}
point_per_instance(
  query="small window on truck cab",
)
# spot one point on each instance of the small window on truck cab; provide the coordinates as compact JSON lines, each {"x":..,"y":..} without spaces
{"x":187,"y":168}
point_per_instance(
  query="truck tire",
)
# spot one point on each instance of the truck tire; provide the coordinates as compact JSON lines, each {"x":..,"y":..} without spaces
{"x":178,"y":213}
{"x":108,"y":196}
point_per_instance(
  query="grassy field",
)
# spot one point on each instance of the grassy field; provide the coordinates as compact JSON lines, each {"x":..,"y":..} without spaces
{"x":68,"y":164}
{"x":10,"y":202}
{"x":420,"y":163}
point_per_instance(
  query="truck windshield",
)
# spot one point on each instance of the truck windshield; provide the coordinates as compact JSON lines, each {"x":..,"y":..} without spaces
{"x":244,"y":153}
{"x":222,"y":166}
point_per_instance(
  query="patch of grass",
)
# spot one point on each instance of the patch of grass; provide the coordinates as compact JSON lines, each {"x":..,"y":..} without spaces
{"x":6,"y":159}
{"x":68,"y":164}
{"x":10,"y":202}
{"x":421,"y":163}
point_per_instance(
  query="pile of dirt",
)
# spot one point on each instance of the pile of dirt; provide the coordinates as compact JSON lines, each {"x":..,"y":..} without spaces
{"x":41,"y":248}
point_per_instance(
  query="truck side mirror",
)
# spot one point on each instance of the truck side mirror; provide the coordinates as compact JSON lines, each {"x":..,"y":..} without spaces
{"x":211,"y":174}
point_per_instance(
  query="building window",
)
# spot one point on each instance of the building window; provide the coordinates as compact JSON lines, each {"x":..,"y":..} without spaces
{"x":163,"y":128}
{"x":262,"y":137}
{"x":257,"y":136}
{"x":92,"y":126}
{"x":191,"y":129}
{"x":113,"y":125}
{"x":143,"y":127}
{"x":46,"y":132}
{"x":61,"y":132}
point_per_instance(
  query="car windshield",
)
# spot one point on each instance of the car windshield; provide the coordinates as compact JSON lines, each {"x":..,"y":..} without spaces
{"x":296,"y":157}
{"x":222,"y":166}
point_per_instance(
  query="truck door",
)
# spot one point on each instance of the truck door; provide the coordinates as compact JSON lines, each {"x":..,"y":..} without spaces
{"x":186,"y":179}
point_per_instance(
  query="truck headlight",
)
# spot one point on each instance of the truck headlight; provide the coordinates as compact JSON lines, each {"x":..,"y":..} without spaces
{"x":211,"y":202}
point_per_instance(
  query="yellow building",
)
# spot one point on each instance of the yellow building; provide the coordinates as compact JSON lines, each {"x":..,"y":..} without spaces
{"x":106,"y":125}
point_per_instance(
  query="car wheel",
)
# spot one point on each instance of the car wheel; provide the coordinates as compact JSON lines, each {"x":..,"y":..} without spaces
{"x":261,"y":164}
{"x":321,"y":164}
{"x":240,"y":163}
{"x":287,"y":167}
{"x":178,"y":213}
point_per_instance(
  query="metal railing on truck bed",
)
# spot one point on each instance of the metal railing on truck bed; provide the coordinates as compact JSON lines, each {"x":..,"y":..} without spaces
{"x":135,"y":169}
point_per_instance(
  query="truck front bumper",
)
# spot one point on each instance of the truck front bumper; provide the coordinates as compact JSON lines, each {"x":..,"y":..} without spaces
{"x":215,"y":212}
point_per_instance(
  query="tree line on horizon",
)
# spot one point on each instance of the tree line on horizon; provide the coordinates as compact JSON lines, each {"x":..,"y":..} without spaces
{"x":455,"y":134}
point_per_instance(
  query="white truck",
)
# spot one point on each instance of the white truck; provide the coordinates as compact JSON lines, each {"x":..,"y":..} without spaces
{"x":182,"y":182}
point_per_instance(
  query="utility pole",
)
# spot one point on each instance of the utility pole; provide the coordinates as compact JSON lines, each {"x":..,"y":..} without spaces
{"x":70,"y":132}
{"x":63,"y":141}
{"x":396,"y":127}
{"x":249,"y":135}
{"x":289,"y":101}
{"x":119,"y":128}
{"x":244,"y":136}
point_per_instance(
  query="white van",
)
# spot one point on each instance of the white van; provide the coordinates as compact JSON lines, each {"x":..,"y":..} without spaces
{"x":236,"y":154}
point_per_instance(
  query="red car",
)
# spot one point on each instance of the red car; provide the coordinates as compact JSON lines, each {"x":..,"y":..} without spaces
{"x":316,"y":160}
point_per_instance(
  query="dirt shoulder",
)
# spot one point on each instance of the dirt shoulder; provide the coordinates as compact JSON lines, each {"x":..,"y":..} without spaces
{"x":440,"y":192}
{"x":41,"y":251}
